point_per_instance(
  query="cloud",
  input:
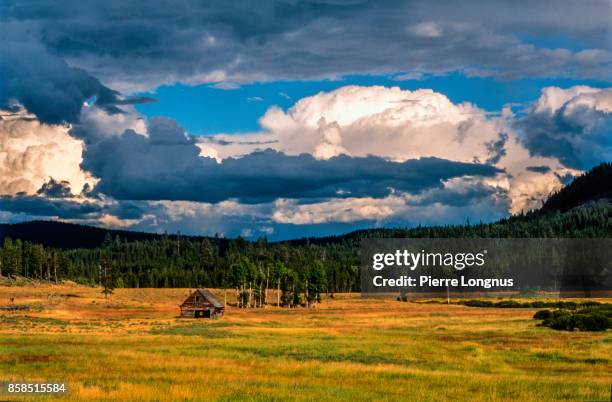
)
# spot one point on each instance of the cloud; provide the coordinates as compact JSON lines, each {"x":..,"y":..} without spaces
{"x":95,"y":123}
{"x":538,"y":169}
{"x":415,"y":75}
{"x":36,"y":206}
{"x":227,"y":218}
{"x":400,"y":125}
{"x":167,"y":165}
{"x":32,"y":152}
{"x":573,"y":125}
{"x":55,"y":189}
{"x":426,"y":30}
{"x":53,"y":203}
{"x":225,"y":44}
{"x":42,"y":82}
{"x":455,"y":201}
{"x":388,"y":122}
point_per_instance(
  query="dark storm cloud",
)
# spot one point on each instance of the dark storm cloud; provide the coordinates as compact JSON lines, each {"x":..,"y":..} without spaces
{"x":470,"y":193}
{"x":44,"y":84}
{"x":42,"y":206}
{"x":167,"y":166}
{"x":125,"y":43}
{"x":538,"y":169}
{"x":55,"y":189}
{"x":109,"y":100}
{"x":579,"y":135}
{"x":31,"y":76}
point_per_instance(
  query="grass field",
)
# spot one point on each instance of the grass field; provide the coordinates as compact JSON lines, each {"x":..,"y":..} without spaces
{"x":135,"y":347}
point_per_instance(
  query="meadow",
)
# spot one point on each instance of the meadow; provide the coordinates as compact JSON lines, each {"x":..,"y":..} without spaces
{"x":135,"y":347}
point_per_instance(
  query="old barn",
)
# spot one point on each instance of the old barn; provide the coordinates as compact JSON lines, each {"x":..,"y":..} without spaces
{"x":202,"y":304}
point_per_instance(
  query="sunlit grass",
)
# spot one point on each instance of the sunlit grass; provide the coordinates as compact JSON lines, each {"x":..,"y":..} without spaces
{"x":135,"y":347}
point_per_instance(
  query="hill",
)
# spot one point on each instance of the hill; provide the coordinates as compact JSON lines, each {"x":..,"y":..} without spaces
{"x":591,"y":186}
{"x":71,"y":236}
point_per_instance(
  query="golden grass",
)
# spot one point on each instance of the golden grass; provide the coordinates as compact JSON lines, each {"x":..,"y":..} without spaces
{"x":134,"y":347}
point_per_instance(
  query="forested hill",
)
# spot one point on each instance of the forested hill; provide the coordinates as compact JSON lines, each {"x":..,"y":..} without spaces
{"x":70,"y":236}
{"x":591,"y":186}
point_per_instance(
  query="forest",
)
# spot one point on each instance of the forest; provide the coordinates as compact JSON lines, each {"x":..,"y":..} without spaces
{"x":300,"y":269}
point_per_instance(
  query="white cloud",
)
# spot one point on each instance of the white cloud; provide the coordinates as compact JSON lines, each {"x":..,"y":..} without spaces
{"x":553,"y":98}
{"x":96,"y":124}
{"x":331,"y":144}
{"x":336,"y":210}
{"x":32,"y":152}
{"x":387,"y":122}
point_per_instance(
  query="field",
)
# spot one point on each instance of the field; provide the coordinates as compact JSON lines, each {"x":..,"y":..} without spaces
{"x":134,"y":346}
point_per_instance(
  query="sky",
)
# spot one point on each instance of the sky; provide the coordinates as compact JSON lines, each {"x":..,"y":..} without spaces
{"x":297,"y":118}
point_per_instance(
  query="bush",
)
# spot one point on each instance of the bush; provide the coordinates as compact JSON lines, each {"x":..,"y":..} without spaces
{"x":509,"y":304}
{"x":568,"y":305}
{"x":478,"y":303}
{"x":542,"y":315}
{"x":593,"y":318}
{"x":592,"y":322}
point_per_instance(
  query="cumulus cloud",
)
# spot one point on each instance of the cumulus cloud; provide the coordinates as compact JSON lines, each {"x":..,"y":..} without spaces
{"x":389,"y":122}
{"x":32,"y":152}
{"x":573,"y":125}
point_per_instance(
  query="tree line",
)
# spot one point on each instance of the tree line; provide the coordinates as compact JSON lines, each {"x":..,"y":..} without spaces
{"x":299,"y":271}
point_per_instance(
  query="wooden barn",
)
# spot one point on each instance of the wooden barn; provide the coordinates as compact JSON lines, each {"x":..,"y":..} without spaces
{"x":202,"y":304}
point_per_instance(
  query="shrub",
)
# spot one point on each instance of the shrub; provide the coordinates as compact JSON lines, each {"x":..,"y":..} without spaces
{"x":478,"y":303}
{"x":509,"y":304}
{"x":568,"y":305}
{"x":592,"y":318}
{"x":542,"y":315}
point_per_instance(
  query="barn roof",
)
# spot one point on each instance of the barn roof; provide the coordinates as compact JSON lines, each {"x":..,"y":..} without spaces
{"x":210,"y":297}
